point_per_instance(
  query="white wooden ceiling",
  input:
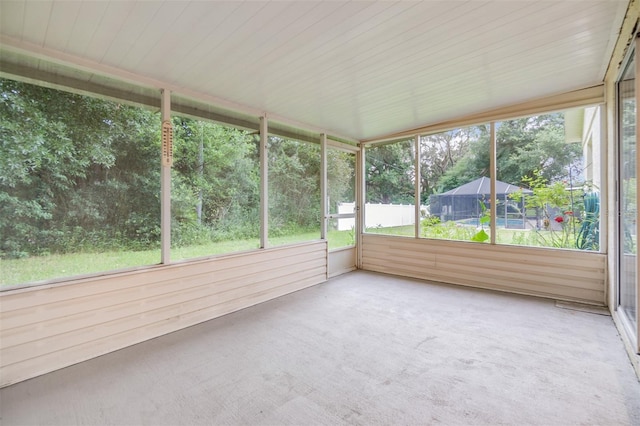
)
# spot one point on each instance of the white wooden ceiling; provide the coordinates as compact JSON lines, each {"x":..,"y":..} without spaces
{"x":358,"y":69}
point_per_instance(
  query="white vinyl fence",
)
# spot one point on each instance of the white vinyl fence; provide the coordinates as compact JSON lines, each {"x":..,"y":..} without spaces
{"x":378,"y":215}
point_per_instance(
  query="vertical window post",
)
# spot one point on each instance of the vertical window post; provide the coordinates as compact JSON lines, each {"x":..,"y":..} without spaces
{"x":360,"y":201}
{"x":493,"y":171}
{"x":264,"y":183}
{"x":323,"y":186}
{"x":417,"y":200}
{"x":604,"y":187}
{"x":165,"y":178}
{"x":636,"y":59}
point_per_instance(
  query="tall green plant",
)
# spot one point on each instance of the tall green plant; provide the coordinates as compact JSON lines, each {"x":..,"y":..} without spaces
{"x":557,"y":208}
{"x":484,"y":219}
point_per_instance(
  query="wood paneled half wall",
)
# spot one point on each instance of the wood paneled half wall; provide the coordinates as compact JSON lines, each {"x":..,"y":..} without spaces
{"x":47,"y":327}
{"x":571,"y":275}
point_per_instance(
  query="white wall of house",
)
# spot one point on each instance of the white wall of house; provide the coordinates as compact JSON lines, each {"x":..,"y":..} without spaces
{"x":592,"y":147}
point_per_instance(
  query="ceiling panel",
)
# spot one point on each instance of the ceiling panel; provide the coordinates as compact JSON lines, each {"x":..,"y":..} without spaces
{"x":137,"y":34}
{"x":202,"y":36}
{"x":84,"y":27}
{"x":36,"y":21}
{"x":165,"y":33}
{"x":12,"y":18}
{"x":357,"y":69}
{"x":60,"y":23}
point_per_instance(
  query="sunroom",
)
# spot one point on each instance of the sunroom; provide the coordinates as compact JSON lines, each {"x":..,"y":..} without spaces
{"x":165,"y":164}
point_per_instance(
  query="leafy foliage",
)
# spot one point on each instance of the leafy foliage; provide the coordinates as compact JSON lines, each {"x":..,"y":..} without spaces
{"x":531,"y":152}
{"x":481,"y":236}
{"x":524,"y":145}
{"x":81,"y":174}
{"x":215,"y":193}
{"x":472,"y":163}
{"x":535,"y":145}
{"x":560,"y":209}
{"x":390,"y":173}
{"x":294,"y":186}
{"x":441,"y":152}
{"x":75,"y":172}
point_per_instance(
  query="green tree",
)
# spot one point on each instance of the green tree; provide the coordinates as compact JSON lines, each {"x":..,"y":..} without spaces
{"x":444,"y":151}
{"x":390,"y":173}
{"x":294,"y":186}
{"x":524,"y":146}
{"x":215,"y":192}
{"x":559,"y":208}
{"x":341,"y":178}
{"x":532,"y":144}
{"x":75,"y":172}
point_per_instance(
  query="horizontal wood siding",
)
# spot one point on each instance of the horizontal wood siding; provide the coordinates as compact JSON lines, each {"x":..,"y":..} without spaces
{"x":48,"y":327}
{"x":558,"y":274}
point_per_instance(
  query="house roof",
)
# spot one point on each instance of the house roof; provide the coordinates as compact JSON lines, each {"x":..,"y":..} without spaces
{"x":359,"y":70}
{"x":482,"y":186}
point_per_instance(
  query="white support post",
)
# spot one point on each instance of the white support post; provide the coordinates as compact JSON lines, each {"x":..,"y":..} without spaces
{"x":323,"y":186}
{"x":264,"y":183}
{"x":417,"y":203}
{"x":493,"y":171}
{"x":165,"y":185}
{"x":604,"y":192}
{"x":360,"y":200}
{"x":636,"y":60}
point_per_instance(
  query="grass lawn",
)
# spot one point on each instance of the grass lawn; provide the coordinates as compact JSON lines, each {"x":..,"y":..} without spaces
{"x":406,"y":231}
{"x":450,"y":231}
{"x":39,"y":268}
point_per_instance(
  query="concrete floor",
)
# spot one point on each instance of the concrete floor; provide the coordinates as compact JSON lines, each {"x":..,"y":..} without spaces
{"x":362,"y":348}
